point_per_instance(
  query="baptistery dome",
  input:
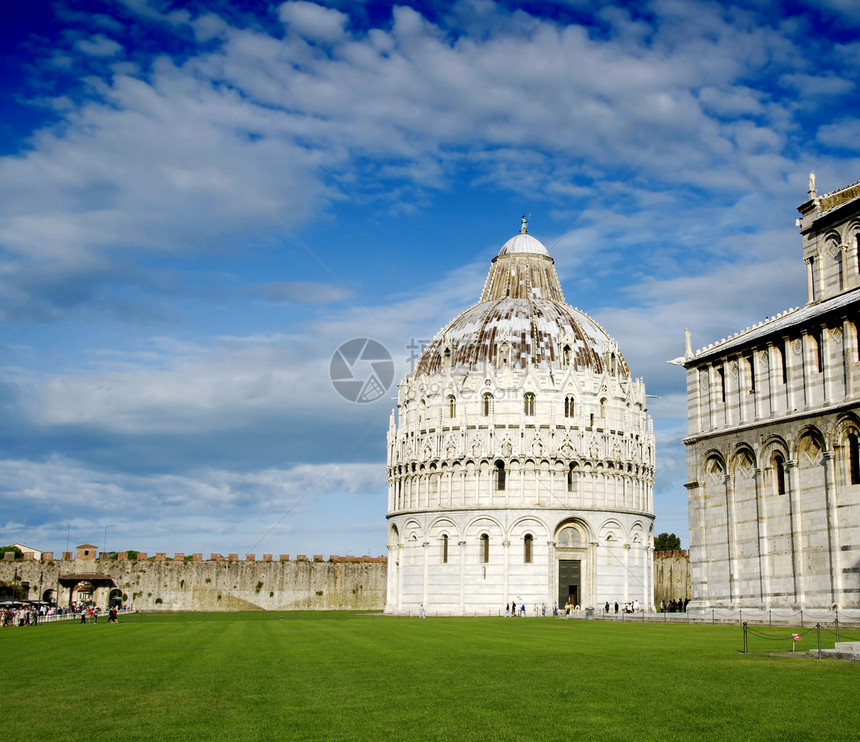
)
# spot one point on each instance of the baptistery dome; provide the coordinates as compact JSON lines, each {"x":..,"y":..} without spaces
{"x":522,"y":319}
{"x":520,"y":456}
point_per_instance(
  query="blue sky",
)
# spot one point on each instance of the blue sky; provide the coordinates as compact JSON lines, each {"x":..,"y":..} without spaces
{"x":200,"y":202}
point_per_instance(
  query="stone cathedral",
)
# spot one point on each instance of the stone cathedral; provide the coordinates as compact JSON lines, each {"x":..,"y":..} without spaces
{"x":520,"y":457}
{"x":773,"y":453}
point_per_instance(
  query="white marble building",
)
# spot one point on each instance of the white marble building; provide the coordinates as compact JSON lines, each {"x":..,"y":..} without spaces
{"x":773,"y":460}
{"x":521,"y":457}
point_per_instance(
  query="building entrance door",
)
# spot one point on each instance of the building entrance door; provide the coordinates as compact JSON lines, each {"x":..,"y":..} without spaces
{"x":569,"y":580}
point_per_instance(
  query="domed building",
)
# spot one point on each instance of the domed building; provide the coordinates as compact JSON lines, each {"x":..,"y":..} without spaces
{"x":521,"y":457}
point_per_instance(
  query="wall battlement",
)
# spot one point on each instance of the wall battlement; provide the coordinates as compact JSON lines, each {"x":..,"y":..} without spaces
{"x":190,"y":583}
{"x":142,"y":556}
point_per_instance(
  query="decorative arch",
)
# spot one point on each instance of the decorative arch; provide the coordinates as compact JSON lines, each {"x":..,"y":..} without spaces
{"x":713,"y":467}
{"x":743,"y":462}
{"x":572,"y":533}
{"x":611,"y":526}
{"x":810,"y":443}
{"x":846,"y":442}
{"x":527,"y":523}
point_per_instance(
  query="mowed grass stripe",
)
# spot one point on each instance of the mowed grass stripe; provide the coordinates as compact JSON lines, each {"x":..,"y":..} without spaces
{"x":345,"y":676}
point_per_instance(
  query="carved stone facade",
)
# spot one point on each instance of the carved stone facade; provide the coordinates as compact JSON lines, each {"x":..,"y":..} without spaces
{"x":521,"y":457}
{"x":772,"y":455}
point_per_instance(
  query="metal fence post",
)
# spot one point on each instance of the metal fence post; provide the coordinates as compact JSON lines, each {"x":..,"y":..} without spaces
{"x":818,"y":631}
{"x":837,"y":625}
{"x":746,"y":646}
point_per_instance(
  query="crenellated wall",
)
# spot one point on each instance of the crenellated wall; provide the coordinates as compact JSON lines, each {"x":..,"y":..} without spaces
{"x":217,"y":584}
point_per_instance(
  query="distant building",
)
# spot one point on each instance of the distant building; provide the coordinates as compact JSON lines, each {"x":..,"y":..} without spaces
{"x":521,"y":457}
{"x":34,"y":553}
{"x":773,"y":453}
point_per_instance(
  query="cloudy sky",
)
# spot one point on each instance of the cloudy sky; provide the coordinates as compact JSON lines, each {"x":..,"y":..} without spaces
{"x":200,"y":202}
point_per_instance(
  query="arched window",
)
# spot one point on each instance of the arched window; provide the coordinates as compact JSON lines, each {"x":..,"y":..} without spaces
{"x":488,"y":405}
{"x":527,"y":548}
{"x":446,"y":359}
{"x":751,"y":368}
{"x":780,"y":359}
{"x":529,"y":405}
{"x":812,"y":276}
{"x":840,"y":267}
{"x":779,"y":473}
{"x":452,"y":407}
{"x":444,"y":548}
{"x":568,"y":406}
{"x":603,"y":407}
{"x":722,"y":382}
{"x":500,"y":475}
{"x":817,"y":350}
{"x":853,"y":459}
{"x":571,"y":479}
{"x":485,"y":548}
{"x":565,"y":356}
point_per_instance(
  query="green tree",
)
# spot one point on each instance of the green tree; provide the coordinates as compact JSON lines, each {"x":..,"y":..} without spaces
{"x":667,"y":542}
{"x":18,"y":553}
{"x":12,"y":590}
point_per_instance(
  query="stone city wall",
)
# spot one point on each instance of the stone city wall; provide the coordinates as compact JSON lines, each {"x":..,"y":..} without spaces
{"x":671,"y":576}
{"x":219,"y":583}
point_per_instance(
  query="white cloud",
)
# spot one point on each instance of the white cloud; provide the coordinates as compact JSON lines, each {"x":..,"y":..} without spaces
{"x":844,"y":133}
{"x":313,"y":21}
{"x":166,"y":512}
{"x":98,"y":46}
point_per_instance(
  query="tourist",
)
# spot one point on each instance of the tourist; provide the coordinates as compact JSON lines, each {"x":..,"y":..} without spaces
{"x":507,"y":610}
{"x":421,"y":611}
{"x":606,"y":607}
{"x":523,"y":610}
{"x":616,"y":606}
{"x":513,"y":610}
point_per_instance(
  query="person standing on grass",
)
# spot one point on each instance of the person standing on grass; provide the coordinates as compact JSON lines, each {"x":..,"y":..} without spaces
{"x":421,"y":611}
{"x":523,"y":610}
{"x":616,"y":606}
{"x":507,"y":610}
{"x":513,"y":610}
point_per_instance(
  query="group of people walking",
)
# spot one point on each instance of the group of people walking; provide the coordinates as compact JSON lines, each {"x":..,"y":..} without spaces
{"x":512,"y":608}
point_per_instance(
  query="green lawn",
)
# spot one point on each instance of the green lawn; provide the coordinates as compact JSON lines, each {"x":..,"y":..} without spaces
{"x":339,"y":676}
